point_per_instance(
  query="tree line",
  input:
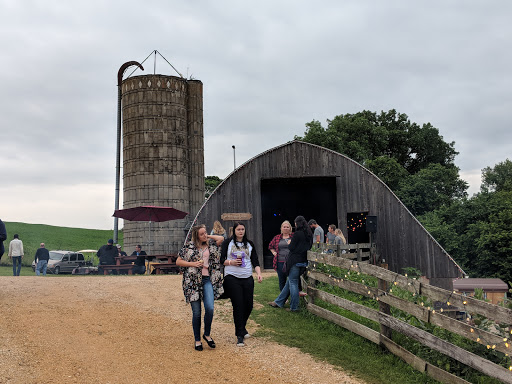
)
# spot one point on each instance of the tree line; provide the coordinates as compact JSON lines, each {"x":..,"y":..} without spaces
{"x":418,"y":165}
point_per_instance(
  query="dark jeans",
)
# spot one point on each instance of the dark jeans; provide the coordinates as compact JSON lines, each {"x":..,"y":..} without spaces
{"x":241,"y":293}
{"x":139,"y":269}
{"x":16,"y":270}
{"x":208,"y":310}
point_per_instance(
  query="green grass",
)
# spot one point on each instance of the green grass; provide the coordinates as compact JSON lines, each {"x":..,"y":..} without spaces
{"x":329,"y":342}
{"x":6,"y":270}
{"x":55,"y":238}
{"x":313,"y":335}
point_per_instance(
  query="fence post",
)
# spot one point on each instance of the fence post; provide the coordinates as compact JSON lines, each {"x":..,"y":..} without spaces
{"x":338,"y":250}
{"x":310,"y":283}
{"x":384,"y":308}
{"x":359,"y":253}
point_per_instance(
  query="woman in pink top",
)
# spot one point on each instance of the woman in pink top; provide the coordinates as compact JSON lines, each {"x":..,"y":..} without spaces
{"x":202,"y":279}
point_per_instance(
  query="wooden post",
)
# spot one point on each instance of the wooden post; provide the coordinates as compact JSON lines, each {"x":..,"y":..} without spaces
{"x":338,"y":250}
{"x":359,"y":253}
{"x":384,"y":308}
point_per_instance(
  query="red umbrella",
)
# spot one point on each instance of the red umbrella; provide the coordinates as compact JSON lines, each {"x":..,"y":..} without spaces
{"x":150,"y":213}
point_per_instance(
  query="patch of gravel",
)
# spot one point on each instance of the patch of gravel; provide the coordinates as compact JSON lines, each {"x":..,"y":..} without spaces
{"x":132,"y":329}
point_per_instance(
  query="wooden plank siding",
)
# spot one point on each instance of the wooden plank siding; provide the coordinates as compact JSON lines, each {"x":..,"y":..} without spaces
{"x":400,"y":239}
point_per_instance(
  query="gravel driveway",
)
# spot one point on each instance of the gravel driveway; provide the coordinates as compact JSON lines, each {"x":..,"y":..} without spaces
{"x":131,"y":329}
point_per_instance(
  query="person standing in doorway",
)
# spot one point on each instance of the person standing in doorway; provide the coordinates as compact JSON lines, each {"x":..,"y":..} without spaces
{"x":318,"y":232}
{"x":139,"y":266}
{"x":239,"y":257}
{"x":41,"y":259}
{"x":16,"y":254}
{"x":279,"y":248}
{"x":295,"y":265}
{"x":330,"y":236}
{"x":340,"y":239}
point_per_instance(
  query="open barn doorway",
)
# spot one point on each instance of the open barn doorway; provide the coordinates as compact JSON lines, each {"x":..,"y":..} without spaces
{"x":286,"y":198}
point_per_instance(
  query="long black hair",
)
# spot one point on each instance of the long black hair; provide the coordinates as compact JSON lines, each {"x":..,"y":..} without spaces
{"x":244,"y":239}
{"x":302,"y":225}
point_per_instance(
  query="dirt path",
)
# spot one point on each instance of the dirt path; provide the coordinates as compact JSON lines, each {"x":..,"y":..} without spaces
{"x":131,"y":329}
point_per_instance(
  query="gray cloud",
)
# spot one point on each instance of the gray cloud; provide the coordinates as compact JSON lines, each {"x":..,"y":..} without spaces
{"x":268,"y":68}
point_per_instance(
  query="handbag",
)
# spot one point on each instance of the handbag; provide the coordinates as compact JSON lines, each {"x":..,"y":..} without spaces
{"x":285,"y":265}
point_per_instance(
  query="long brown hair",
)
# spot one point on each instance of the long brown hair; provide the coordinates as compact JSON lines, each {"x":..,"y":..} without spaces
{"x":218,"y":229}
{"x":195,"y":234}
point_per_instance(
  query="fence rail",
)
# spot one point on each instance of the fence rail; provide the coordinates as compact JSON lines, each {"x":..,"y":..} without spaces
{"x":383,"y":293}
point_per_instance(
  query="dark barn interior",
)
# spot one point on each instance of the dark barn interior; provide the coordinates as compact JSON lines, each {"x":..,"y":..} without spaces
{"x":286,"y":198}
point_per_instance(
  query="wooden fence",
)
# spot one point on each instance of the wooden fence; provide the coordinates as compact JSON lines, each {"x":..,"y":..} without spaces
{"x":424,"y":293}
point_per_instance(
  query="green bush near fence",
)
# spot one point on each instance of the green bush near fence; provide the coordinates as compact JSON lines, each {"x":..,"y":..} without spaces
{"x":436,"y":358}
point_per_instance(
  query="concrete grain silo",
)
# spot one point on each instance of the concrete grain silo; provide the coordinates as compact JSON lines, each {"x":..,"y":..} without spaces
{"x":163,"y":155}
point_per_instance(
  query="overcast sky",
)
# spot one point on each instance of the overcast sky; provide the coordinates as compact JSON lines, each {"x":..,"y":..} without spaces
{"x":268,"y":68}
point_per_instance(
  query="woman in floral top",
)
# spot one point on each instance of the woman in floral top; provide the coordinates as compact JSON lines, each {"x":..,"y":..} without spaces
{"x":202,"y":279}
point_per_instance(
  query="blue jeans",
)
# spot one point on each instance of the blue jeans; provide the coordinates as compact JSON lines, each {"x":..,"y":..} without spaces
{"x":291,"y":289}
{"x":41,"y":264}
{"x":208,"y":310}
{"x":16,"y":270}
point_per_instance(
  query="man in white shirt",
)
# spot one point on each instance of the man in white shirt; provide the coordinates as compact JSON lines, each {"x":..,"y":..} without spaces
{"x":16,"y":254}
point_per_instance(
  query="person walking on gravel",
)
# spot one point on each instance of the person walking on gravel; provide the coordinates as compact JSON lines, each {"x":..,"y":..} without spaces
{"x":202,"y":279}
{"x":239,"y":258}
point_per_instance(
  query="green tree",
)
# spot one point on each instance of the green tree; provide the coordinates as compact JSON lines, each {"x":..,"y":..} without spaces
{"x":389,"y":170}
{"x":210,"y":183}
{"x":413,"y":160}
{"x":498,"y":178}
{"x":477,"y":232}
{"x":431,"y":188}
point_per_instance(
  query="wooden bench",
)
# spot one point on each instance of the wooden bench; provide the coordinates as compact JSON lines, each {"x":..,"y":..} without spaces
{"x":169,"y":266}
{"x":159,"y":268}
{"x":115,"y":267}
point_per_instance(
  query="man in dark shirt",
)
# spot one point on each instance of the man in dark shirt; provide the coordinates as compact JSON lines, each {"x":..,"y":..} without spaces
{"x":139,"y":264}
{"x":3,"y":237}
{"x":107,"y":255}
{"x":41,"y":259}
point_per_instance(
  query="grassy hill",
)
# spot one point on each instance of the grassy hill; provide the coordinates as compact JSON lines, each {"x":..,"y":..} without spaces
{"x":70,"y":239}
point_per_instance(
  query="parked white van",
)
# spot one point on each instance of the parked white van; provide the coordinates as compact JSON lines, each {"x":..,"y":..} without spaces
{"x":63,"y":262}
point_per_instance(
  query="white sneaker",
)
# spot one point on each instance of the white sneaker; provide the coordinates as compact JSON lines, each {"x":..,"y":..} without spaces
{"x":246,"y":336}
{"x":240,"y":342}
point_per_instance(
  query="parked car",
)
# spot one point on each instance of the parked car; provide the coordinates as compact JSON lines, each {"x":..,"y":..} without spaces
{"x":63,"y":262}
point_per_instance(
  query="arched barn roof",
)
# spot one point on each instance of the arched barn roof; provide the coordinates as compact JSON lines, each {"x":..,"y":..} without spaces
{"x":317,"y":183}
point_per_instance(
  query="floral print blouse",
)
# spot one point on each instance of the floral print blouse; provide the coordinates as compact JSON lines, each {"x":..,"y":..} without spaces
{"x":192,"y":276}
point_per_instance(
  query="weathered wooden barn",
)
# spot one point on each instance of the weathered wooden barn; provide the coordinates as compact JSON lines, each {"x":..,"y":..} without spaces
{"x":299,"y":178}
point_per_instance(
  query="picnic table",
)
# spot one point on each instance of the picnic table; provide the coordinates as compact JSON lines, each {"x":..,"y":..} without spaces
{"x":166,"y":262}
